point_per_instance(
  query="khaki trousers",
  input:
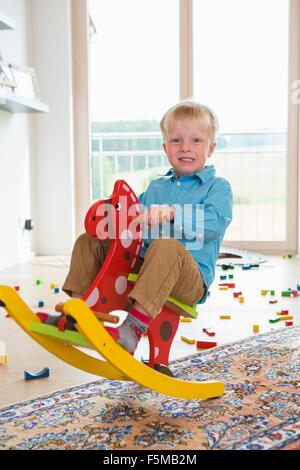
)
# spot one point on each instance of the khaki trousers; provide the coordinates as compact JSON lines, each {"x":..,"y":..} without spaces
{"x":167,"y":269}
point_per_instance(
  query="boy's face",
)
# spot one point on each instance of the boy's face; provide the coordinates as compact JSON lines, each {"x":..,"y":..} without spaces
{"x":188,"y":145}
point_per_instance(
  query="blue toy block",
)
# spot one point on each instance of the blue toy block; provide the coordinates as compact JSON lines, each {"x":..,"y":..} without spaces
{"x":56,"y":290}
{"x":223,"y":277}
{"x":246,"y":266}
{"x":41,"y":303}
{"x":298,"y":286}
{"x":39,"y":375}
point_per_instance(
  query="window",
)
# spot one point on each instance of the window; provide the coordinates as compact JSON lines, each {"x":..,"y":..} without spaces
{"x":241,"y":71}
{"x":239,"y":58}
{"x":134,"y":78}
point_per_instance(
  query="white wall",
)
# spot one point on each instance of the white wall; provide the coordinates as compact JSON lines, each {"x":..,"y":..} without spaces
{"x":53,"y":158}
{"x":15,"y":147}
{"x":36,"y":154}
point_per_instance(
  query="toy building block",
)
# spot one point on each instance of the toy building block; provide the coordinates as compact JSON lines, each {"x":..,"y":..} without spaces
{"x":39,"y":375}
{"x":17,"y":288}
{"x":286,"y":293}
{"x":282,"y":312}
{"x":255,"y":328}
{"x":289,"y":323}
{"x":298,"y":286}
{"x":294,"y":293}
{"x":227,"y":266}
{"x":187,"y":340}
{"x":286,"y":317}
{"x":264,"y":292}
{"x":237,"y":294}
{"x":230,"y":276}
{"x":225,"y":317}
{"x":56,"y":290}
{"x":272,"y":293}
{"x":209,"y":331}
{"x":38,"y":282}
{"x":223,"y":277}
{"x":223,"y":288}
{"x":185,"y":320}
{"x":229,"y":285}
{"x":3,"y":355}
{"x":41,"y":303}
{"x":246,"y":267}
{"x":206,"y":344}
{"x":241,"y":299}
{"x":274,"y":320}
{"x":52,"y":286}
{"x":273,"y":301}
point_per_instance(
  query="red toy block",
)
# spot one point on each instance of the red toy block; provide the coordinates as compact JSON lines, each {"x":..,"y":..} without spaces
{"x":206,"y":344}
{"x":17,"y":288}
{"x":288,"y":323}
{"x":273,"y":301}
{"x":209,"y":331}
{"x":284,"y":312}
{"x":237,"y":294}
{"x":230,"y":285}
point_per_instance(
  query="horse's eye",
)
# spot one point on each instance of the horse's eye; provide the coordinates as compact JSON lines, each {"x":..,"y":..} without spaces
{"x":118,"y":207}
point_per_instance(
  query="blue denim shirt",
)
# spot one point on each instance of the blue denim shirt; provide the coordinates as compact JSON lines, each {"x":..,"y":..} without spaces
{"x":201,"y":188}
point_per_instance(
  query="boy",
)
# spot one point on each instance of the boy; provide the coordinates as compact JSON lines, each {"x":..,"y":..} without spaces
{"x":174,"y":265}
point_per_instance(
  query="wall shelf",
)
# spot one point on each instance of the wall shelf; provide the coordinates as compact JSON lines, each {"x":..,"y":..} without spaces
{"x":6,"y":22}
{"x":18,"y":104}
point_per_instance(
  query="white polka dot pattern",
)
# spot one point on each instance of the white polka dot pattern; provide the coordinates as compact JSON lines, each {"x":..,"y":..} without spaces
{"x":121,"y":285}
{"x":93,"y":298}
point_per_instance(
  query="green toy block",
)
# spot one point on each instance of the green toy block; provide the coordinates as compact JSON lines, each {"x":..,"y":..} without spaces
{"x":38,"y":282}
{"x":286,"y":293}
{"x":274,"y":320}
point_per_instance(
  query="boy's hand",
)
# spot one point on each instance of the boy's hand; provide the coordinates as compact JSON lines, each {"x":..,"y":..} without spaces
{"x":156,"y":215}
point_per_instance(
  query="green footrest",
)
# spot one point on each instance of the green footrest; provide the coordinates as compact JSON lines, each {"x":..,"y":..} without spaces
{"x":190,"y":309}
{"x":73,"y":338}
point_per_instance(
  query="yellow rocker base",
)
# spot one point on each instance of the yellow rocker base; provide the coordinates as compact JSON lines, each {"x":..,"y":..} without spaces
{"x":119,"y":364}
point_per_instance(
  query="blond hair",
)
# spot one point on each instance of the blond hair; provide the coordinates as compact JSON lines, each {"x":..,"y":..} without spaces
{"x":190,"y":110}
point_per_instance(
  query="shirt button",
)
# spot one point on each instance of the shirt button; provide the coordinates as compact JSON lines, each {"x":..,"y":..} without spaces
{"x":178,"y":183}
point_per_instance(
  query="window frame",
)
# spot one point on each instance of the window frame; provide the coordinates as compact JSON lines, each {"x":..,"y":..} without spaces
{"x":81,"y":120}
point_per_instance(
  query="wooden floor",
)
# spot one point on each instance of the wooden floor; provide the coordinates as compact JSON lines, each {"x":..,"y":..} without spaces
{"x":24,"y":354}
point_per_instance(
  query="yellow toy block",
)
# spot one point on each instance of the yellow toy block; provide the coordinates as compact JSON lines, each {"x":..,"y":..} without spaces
{"x":185,"y":320}
{"x":4,"y":359}
{"x":3,"y":355}
{"x":264,"y":292}
{"x":255,"y":328}
{"x":286,"y":317}
{"x":53,"y":286}
{"x":241,"y":299}
{"x":223,"y":288}
{"x":225,"y":317}
{"x":187,"y":340}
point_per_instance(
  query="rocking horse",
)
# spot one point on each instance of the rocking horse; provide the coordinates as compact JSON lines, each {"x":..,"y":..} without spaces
{"x":114,"y":218}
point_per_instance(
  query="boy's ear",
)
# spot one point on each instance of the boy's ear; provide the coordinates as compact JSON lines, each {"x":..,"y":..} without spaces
{"x":211,"y":149}
{"x":164,"y":147}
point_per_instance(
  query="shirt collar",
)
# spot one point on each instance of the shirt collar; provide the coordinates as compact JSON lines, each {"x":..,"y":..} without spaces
{"x":204,"y":175}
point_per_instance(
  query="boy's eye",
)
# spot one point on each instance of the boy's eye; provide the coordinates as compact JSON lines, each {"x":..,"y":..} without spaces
{"x":175,"y":141}
{"x":197,"y":140}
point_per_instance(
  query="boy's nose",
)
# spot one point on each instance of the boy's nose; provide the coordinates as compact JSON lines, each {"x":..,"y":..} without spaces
{"x":185,"y":146}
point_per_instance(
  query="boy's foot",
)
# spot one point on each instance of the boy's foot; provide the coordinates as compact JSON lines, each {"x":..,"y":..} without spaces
{"x":126,"y":335}
{"x":132,"y":329}
{"x":63,"y":322}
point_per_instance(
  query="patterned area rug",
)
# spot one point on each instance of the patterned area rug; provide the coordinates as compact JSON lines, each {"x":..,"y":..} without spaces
{"x":259,"y":410}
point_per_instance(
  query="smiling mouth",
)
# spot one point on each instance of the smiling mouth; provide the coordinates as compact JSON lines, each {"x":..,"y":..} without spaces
{"x":187,"y":159}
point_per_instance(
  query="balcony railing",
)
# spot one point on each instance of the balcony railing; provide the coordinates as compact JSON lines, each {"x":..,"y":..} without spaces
{"x":253,"y":162}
